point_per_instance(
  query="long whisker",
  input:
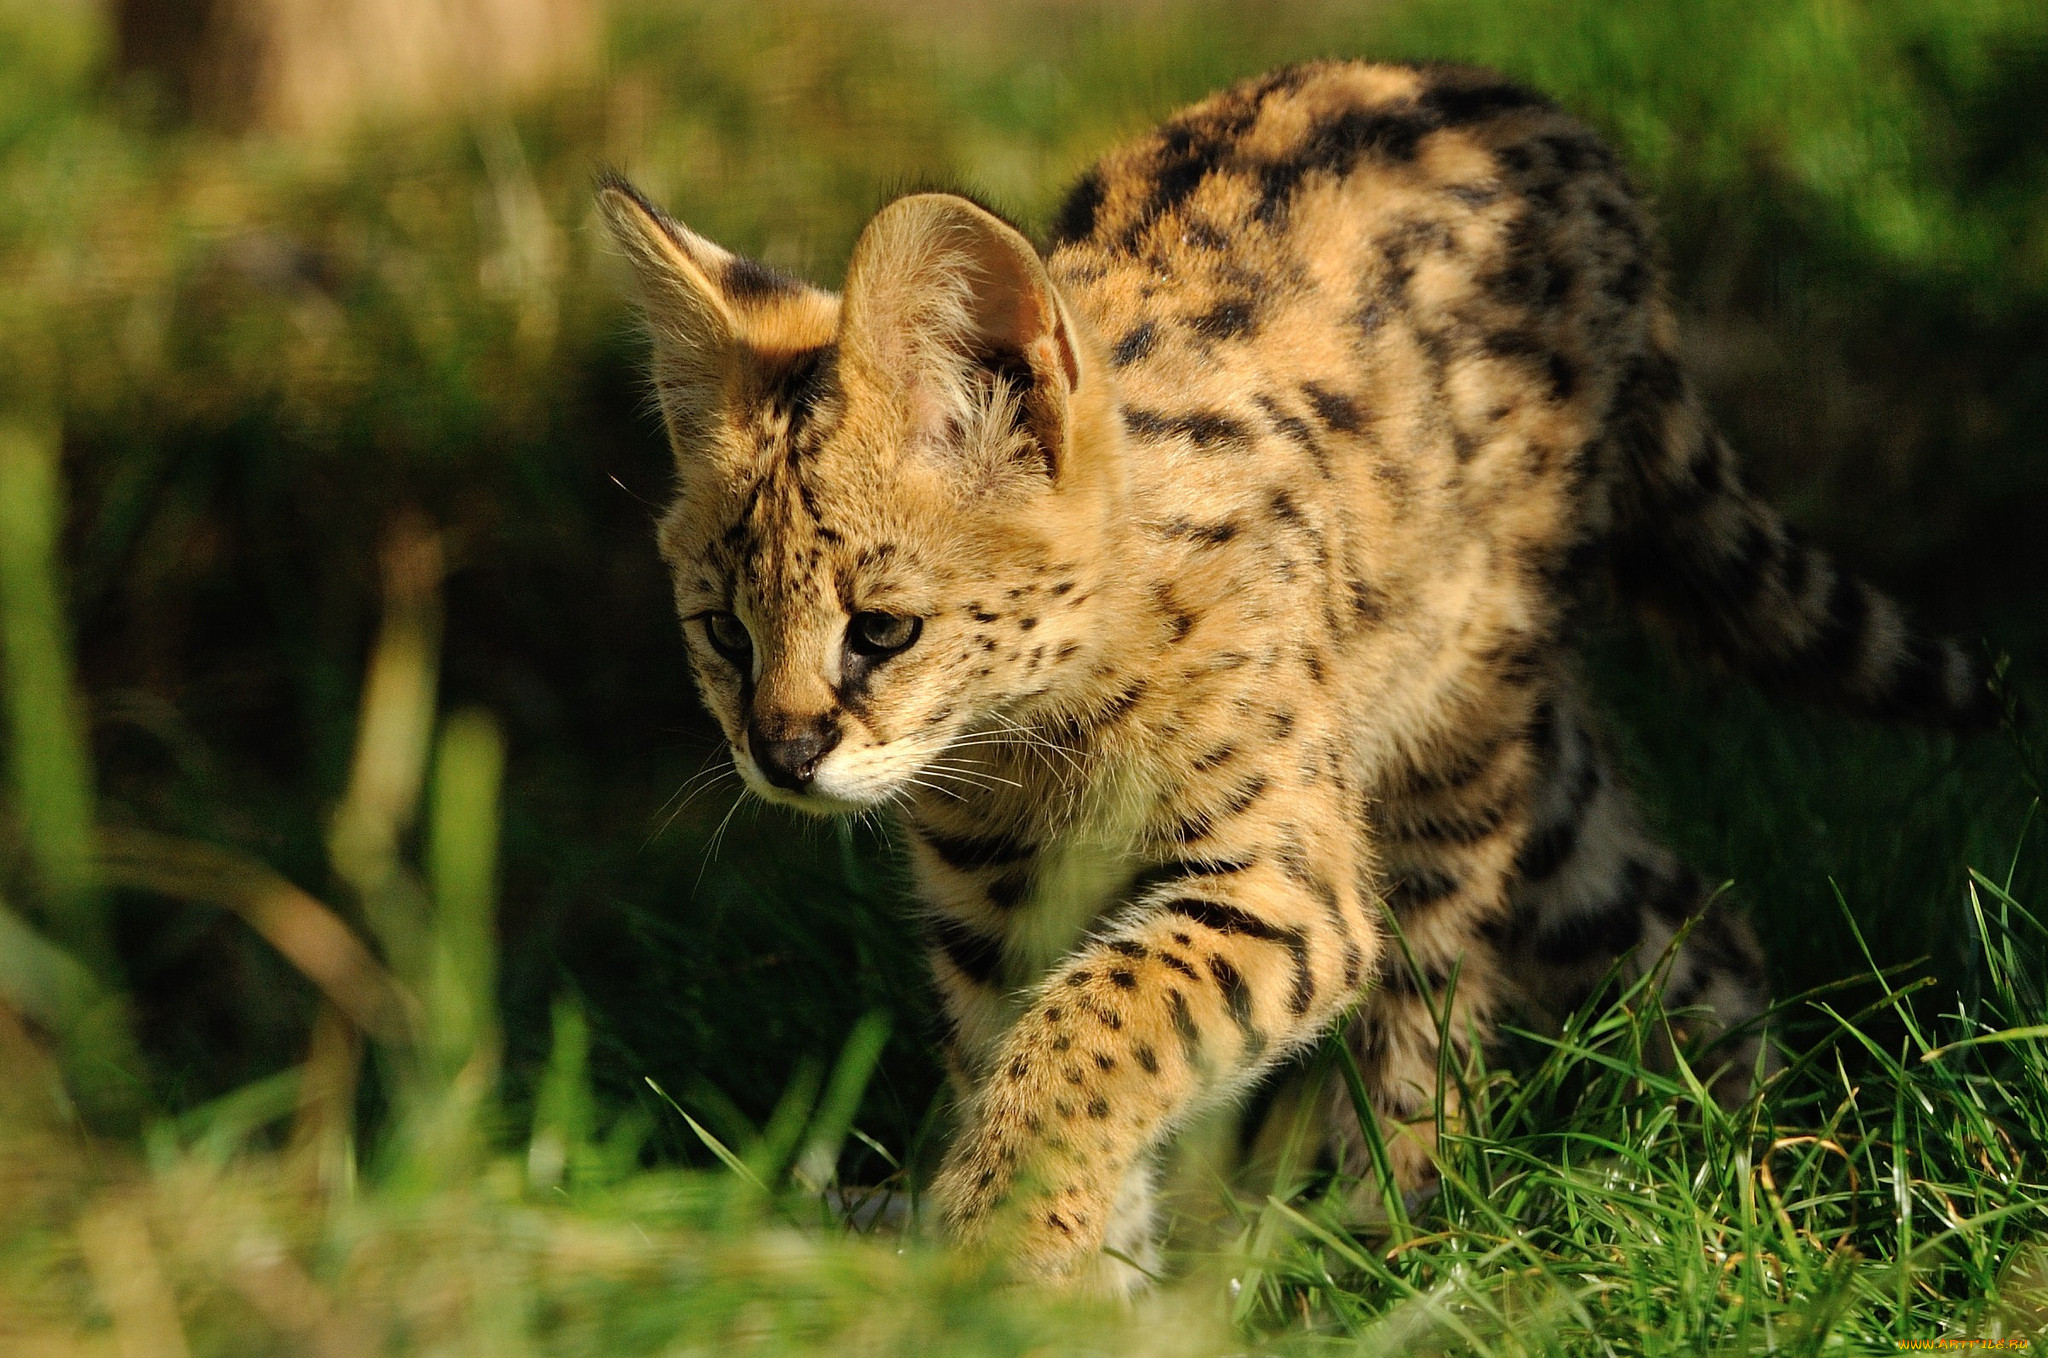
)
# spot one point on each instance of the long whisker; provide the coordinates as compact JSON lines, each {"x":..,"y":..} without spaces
{"x":705,"y":782}
{"x":914,"y":781}
{"x":717,"y":836}
{"x":705,"y":769}
{"x":1039,"y":740}
{"x":979,"y":777}
{"x":993,"y":743}
{"x":1016,"y":736}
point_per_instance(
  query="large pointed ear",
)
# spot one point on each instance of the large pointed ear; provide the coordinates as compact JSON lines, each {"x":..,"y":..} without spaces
{"x":716,"y":317}
{"x":941,"y":297}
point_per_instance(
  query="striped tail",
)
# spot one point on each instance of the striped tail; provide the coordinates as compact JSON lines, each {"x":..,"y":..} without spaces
{"x":1703,"y":557}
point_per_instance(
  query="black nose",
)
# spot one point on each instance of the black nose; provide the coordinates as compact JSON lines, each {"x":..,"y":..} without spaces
{"x":791,"y":761}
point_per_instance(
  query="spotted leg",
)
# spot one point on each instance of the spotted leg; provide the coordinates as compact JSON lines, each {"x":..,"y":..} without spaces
{"x":1242,"y":954}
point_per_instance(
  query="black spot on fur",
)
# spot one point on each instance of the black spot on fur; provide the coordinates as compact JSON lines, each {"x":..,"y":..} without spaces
{"x":1563,"y":375}
{"x":1368,"y":605}
{"x":1466,"y":826}
{"x":1206,"y":429}
{"x":794,"y":393}
{"x":1602,"y":931}
{"x":1335,"y":144}
{"x":1198,"y":826}
{"x":1184,"y":1026}
{"x":1205,"y":534}
{"x":1007,"y":890}
{"x":967,"y":853}
{"x":1629,"y":283}
{"x":1237,"y":999}
{"x":976,"y":955}
{"x":1575,"y":153}
{"x":1119,"y":707}
{"x":1516,"y":661}
{"x":1551,"y":847}
{"x":1075,"y":219}
{"x":1295,"y":430}
{"x":1187,"y":158}
{"x":1460,"y":104}
{"x":1398,"y":978}
{"x":747,"y":280}
{"x":1336,"y":410}
{"x":1558,"y":285}
{"x":1673,"y":898}
{"x":1232,"y":318}
{"x":1211,"y":867}
{"x":1225,"y":918}
{"x":1135,"y":346}
{"x":1917,"y":687}
{"x":1413,"y":888}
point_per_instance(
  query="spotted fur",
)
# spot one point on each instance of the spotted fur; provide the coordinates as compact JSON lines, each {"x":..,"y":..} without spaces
{"x":1236,"y":535}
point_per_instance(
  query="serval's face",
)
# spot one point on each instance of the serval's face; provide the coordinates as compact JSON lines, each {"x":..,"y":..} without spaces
{"x":881,"y":536}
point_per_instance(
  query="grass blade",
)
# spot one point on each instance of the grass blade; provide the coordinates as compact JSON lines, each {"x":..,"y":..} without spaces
{"x":52,"y":773}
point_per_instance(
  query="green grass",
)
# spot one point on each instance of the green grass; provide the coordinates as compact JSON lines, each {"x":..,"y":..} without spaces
{"x":364,"y":987}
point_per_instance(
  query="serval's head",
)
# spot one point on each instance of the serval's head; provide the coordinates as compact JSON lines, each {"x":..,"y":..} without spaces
{"x":891,"y":503}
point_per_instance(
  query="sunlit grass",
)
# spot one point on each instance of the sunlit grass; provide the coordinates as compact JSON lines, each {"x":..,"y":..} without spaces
{"x":1887,"y":1184}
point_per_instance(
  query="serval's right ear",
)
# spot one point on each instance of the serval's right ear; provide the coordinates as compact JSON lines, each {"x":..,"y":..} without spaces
{"x":718,"y":319}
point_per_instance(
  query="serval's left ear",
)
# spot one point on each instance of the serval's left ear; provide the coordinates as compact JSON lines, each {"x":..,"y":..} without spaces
{"x":719,"y":320}
{"x":941,"y":292}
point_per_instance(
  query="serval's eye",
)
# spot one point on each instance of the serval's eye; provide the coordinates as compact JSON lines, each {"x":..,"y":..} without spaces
{"x":729,"y":637}
{"x":879,"y":634}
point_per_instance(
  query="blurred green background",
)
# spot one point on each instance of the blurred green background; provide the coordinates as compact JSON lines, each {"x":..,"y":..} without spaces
{"x":278,"y":308}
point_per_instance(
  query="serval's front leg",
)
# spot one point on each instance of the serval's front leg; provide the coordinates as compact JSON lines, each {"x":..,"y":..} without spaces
{"x":1248,"y":949}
